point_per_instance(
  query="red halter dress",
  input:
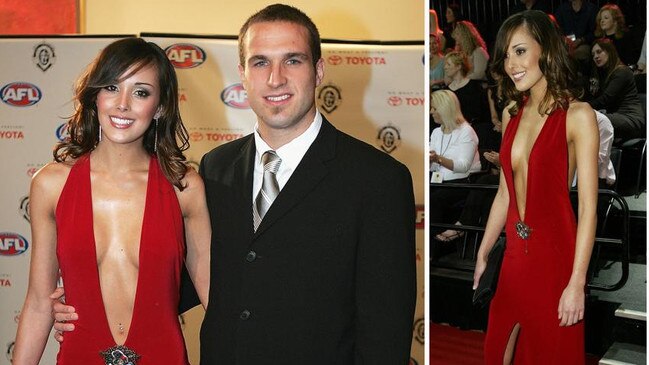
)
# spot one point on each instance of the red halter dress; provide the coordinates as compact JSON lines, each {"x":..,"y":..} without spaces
{"x":536,"y":270}
{"x":155,"y":334}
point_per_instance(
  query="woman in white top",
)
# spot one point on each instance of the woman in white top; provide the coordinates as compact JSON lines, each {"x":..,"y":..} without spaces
{"x":453,"y":154}
{"x":469,"y":41}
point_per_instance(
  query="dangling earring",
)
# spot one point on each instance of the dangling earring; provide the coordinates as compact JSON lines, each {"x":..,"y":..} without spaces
{"x":99,"y":134}
{"x":155,"y":131}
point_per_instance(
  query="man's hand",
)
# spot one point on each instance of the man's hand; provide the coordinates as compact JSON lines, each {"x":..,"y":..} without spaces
{"x":62,"y":314}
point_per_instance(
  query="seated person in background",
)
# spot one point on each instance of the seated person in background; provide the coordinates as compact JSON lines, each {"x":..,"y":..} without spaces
{"x":453,"y":16}
{"x":605,"y":170}
{"x":435,"y":29}
{"x":469,"y":41}
{"x":522,"y":5}
{"x":453,"y":152}
{"x":472,"y":97}
{"x":436,"y":63}
{"x":576,"y":18}
{"x":615,"y":92}
{"x":610,"y":24}
{"x":478,"y":203}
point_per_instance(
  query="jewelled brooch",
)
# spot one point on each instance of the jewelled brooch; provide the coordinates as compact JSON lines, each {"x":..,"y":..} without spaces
{"x":120,"y":355}
{"x":523,"y":230}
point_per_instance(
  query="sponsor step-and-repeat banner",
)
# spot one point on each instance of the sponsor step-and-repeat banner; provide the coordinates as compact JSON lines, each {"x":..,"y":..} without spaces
{"x":373,"y":92}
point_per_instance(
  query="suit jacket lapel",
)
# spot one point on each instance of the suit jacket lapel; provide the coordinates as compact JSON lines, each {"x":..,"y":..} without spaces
{"x":243,"y":170}
{"x":306,"y":176}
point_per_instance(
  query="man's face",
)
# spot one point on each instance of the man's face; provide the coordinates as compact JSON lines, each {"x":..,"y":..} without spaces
{"x":279,"y":77}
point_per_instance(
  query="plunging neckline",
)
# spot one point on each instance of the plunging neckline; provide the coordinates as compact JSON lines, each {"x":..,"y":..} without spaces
{"x":139,"y":257}
{"x":523,"y":217}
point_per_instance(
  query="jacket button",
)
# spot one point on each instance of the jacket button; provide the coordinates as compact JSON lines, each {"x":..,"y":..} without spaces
{"x":244,"y":315}
{"x":251,"y":256}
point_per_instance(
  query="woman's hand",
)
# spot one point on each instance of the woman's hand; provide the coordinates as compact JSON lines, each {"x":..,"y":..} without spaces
{"x":433,"y":156}
{"x":571,"y":305}
{"x":480,"y":266}
{"x":493,"y":157}
{"x":498,"y":126}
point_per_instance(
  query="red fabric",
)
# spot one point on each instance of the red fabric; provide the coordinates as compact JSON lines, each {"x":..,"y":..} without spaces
{"x":453,"y":346}
{"x":38,"y":17}
{"x":155,"y":331}
{"x":535,"y":271}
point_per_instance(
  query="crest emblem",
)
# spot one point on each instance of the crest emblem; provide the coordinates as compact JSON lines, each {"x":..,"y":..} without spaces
{"x":329,"y":98}
{"x":44,"y":56}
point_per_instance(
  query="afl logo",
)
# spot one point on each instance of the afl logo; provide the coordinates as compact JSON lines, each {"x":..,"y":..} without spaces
{"x":389,"y":138}
{"x":335,"y":60}
{"x":235,"y":96}
{"x":185,"y":55}
{"x":62,"y":132}
{"x":44,"y":56}
{"x":20,"y":94}
{"x":329,"y":98}
{"x":12,"y":244}
{"x":395,"y":101}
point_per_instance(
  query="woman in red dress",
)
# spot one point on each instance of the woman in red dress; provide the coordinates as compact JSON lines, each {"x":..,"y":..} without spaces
{"x":536,"y":314}
{"x":118,"y":214}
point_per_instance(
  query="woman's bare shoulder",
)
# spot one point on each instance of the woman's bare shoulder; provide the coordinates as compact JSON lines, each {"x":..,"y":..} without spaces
{"x":580,"y":114}
{"x":52,"y":176}
{"x":193,"y":192}
{"x":581,"y":121}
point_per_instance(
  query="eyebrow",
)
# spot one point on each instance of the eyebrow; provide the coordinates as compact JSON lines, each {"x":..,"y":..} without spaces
{"x":518,"y":44}
{"x":143,"y":83}
{"x":299,"y":55}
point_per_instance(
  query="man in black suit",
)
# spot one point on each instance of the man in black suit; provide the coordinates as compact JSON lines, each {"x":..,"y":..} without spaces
{"x":328,"y":276}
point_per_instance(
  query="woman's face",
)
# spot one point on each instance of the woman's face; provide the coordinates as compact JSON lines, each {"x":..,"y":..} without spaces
{"x":607,"y":23}
{"x":600,"y":56}
{"x":450,"y":68}
{"x":522,"y":61}
{"x":126,"y":108}
{"x":450,"y":16}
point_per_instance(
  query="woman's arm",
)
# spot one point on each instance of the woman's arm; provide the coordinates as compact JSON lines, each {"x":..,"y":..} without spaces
{"x":492,"y":110}
{"x":497,"y":217}
{"x":460,"y":156}
{"x":614,"y":90}
{"x":36,"y":316}
{"x":583,"y":136}
{"x":198,"y":233}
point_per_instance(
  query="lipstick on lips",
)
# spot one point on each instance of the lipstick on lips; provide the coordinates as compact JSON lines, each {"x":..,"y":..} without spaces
{"x":121,"y":123}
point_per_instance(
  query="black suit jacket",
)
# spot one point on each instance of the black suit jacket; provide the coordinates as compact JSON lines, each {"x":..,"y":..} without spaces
{"x":329,"y":276}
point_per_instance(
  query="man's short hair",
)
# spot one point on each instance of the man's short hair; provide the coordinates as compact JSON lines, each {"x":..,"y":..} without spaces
{"x":282,"y":13}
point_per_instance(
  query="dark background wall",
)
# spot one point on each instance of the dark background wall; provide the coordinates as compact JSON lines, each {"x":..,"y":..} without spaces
{"x":488,"y":15}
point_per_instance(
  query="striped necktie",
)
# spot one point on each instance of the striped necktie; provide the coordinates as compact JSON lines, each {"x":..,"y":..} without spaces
{"x":269,"y":187}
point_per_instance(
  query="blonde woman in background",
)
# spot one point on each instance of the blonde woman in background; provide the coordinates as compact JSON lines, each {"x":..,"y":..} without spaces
{"x":453,"y":153}
{"x":469,"y":41}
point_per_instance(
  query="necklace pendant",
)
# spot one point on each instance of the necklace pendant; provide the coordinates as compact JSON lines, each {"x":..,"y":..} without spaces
{"x":119,"y":355}
{"x":523,"y":230}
